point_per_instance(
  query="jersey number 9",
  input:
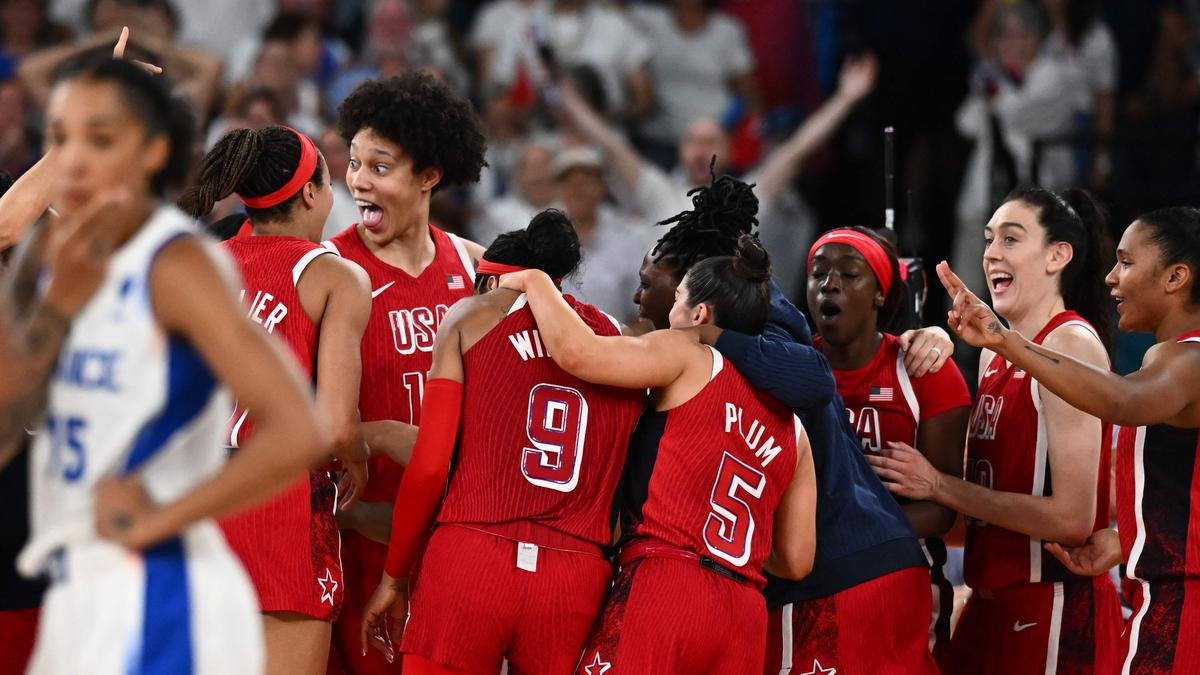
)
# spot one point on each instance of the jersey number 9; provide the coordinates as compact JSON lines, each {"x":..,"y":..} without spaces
{"x":556,"y":426}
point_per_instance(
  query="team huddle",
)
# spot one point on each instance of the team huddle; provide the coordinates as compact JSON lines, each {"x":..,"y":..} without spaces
{"x":400,"y":449}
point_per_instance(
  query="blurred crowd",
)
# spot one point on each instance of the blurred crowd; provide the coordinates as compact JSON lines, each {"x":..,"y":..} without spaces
{"x":613,"y":110}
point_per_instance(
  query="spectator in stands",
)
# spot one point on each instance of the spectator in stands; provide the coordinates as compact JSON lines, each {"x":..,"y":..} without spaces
{"x":532,"y":190}
{"x":509,"y":34}
{"x":702,"y":67}
{"x":1020,"y":95}
{"x":24,"y":29}
{"x":152,"y":23}
{"x":18,"y":148}
{"x":1078,"y":34}
{"x":786,"y":225}
{"x":611,"y":242}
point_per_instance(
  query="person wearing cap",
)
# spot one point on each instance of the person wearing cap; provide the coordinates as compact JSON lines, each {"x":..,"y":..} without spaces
{"x":610,"y":244}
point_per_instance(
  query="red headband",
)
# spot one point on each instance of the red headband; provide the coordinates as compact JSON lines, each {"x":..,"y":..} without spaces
{"x":303,"y":174}
{"x":488,"y":267}
{"x":877,"y":258}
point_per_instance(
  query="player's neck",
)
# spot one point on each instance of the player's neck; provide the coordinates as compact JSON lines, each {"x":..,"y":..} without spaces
{"x":1177,"y":323}
{"x":412,"y":249}
{"x":855,"y":354}
{"x":1031,"y":321}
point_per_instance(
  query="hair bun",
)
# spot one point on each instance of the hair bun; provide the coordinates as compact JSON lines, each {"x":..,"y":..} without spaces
{"x":552,"y":239}
{"x":750,"y":260}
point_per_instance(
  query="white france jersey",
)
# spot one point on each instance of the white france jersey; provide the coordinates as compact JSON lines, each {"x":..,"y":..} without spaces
{"x":125,"y":397}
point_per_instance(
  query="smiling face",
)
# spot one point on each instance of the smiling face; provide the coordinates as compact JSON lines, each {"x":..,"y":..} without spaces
{"x":389,"y":194}
{"x":101,"y":144}
{"x":655,"y":294}
{"x":1137,"y":281}
{"x":843,"y":294}
{"x":1021,"y":268}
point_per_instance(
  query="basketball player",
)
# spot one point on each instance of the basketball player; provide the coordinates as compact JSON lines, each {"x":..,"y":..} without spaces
{"x":408,"y":136}
{"x":866,"y":552}
{"x":539,"y":453}
{"x":318,"y":305}
{"x":115,"y":355}
{"x":1158,"y":407}
{"x":719,"y":481}
{"x":1037,"y":467}
{"x":854,"y":289}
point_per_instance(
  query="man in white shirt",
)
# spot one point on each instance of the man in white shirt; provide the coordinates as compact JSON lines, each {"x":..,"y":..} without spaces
{"x":612,"y":243}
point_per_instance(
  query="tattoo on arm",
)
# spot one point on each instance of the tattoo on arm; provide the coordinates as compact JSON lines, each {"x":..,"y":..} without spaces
{"x":1049,"y":357}
{"x":994,"y":327}
{"x":21,"y":276}
{"x":34,"y":353}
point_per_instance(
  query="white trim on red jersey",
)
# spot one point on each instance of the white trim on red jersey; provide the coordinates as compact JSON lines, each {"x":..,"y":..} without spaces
{"x":909,"y":395}
{"x":328,"y":243}
{"x":463,"y":256}
{"x":304,"y":261}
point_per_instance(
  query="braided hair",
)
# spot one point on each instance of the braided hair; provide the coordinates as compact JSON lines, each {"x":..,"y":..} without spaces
{"x":252,"y":164}
{"x":721,"y":213}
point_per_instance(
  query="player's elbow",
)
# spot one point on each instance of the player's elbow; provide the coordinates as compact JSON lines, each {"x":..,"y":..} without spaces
{"x":1074,"y":529}
{"x":792,"y":560}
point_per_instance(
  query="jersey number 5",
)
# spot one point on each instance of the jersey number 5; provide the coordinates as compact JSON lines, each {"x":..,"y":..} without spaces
{"x":730,"y":526}
{"x":556,"y":426}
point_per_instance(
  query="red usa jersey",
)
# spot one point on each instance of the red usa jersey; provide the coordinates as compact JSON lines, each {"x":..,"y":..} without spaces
{"x":1158,"y":498}
{"x":397,"y":347}
{"x":885,"y":404}
{"x":1007,"y":450}
{"x":271,"y":268}
{"x":707,"y":476}
{"x":537,"y":444}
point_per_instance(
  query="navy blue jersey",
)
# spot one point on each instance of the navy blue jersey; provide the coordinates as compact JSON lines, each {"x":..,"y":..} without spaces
{"x":862,"y":533}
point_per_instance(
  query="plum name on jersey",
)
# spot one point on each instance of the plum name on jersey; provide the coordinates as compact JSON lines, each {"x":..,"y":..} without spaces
{"x":413,"y":329}
{"x":528,"y":344}
{"x":89,"y":369}
{"x":766,"y":450}
{"x":258,"y":307}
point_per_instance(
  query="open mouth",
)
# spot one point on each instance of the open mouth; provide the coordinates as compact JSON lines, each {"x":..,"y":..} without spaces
{"x":1119,"y":299}
{"x":829,"y":310}
{"x":1000,"y":281}
{"x":372,"y":215}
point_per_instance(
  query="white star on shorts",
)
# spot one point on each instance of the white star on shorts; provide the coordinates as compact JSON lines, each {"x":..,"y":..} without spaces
{"x":601,"y":666}
{"x":818,"y":670}
{"x":329,"y":586}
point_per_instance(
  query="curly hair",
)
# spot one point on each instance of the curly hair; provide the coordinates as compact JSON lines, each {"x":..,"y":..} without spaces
{"x":721,"y":213}
{"x":421,"y":114}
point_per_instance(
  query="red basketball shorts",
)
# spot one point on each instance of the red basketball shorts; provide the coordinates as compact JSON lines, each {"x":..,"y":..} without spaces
{"x":1163,"y":633}
{"x":670,"y":615}
{"x":879,"y":627}
{"x":473,"y":607}
{"x":1069,"y":628}
{"x":18,"y":629}
{"x":291,"y":548}
{"x":362,"y":562}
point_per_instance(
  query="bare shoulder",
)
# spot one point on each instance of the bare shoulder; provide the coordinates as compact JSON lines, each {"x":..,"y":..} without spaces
{"x":192,"y":254}
{"x":1078,"y":341}
{"x":339,"y":270}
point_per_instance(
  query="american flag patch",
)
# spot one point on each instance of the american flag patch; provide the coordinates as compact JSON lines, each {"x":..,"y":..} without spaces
{"x":880,"y":394}
{"x":455,"y":282}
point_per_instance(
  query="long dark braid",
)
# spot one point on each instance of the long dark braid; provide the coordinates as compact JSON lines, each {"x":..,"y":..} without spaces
{"x":721,"y":213}
{"x":250,"y":163}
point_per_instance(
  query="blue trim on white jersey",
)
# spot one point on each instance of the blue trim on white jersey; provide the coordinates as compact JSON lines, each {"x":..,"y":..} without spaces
{"x":166,"y":647}
{"x":190,"y":386}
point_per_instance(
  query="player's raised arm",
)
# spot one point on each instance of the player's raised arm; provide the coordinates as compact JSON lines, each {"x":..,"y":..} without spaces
{"x":653,"y":360}
{"x":1086,"y":386}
